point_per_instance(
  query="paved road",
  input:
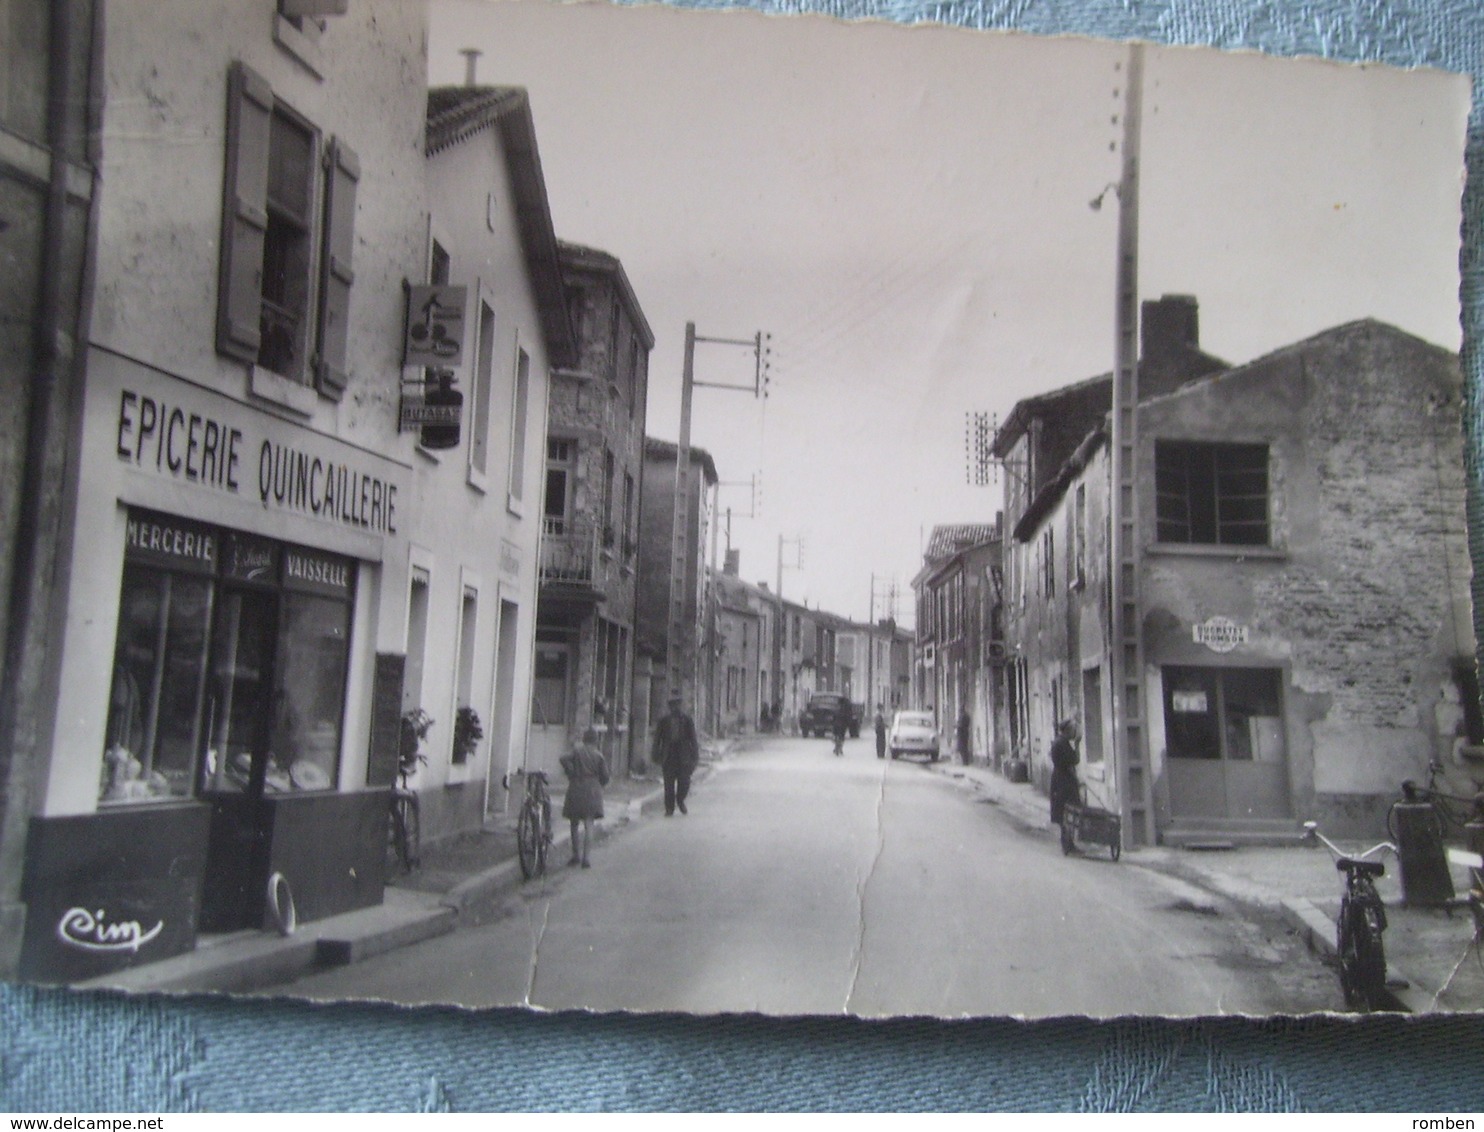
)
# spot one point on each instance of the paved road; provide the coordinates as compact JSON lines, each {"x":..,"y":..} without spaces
{"x":805,"y":883}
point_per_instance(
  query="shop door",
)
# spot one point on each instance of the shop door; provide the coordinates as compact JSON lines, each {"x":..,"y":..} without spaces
{"x":550,"y":706}
{"x":1228,"y":756}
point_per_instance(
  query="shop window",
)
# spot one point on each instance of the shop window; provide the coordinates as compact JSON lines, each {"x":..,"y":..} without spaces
{"x":284,"y":244}
{"x":229,"y":664}
{"x":1211,"y":494}
{"x":1224,"y":713}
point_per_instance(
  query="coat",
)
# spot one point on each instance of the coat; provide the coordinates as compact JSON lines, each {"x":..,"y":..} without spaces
{"x":587,"y":774}
{"x":1064,"y":785}
{"x":676,"y":746}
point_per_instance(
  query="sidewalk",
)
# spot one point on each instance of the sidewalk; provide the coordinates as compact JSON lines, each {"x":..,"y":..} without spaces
{"x":459,"y":878}
{"x":1429,"y":949}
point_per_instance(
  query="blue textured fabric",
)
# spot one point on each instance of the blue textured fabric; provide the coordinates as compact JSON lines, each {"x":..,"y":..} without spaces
{"x":61,"y":1051}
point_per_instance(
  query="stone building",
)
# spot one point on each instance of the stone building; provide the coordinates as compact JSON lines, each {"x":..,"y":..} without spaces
{"x":591,"y":516}
{"x":1304,"y":581}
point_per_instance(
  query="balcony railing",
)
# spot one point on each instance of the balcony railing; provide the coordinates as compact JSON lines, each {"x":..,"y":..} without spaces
{"x":568,"y":555}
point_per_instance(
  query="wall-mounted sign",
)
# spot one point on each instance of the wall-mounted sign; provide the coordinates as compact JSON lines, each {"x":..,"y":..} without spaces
{"x":1219,"y":634}
{"x":175,"y":431}
{"x":435,"y":326}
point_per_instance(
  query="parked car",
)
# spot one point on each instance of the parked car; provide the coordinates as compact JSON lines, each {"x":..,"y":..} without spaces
{"x":913,"y":733}
{"x":818,"y":716}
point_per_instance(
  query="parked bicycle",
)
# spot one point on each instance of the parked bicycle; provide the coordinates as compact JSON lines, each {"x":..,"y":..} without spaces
{"x":533,"y":830}
{"x":404,"y":820}
{"x":404,"y":832}
{"x":1360,"y":925}
{"x":1452,"y":812}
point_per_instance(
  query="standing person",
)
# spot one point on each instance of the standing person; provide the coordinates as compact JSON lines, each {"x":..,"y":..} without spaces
{"x":842,"y":725}
{"x":965,"y":737}
{"x":880,"y":733}
{"x":678,"y":751}
{"x":587,"y":774}
{"x":1064,"y":787}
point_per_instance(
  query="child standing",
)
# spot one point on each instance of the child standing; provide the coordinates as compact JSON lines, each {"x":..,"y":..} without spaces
{"x":587,"y":774}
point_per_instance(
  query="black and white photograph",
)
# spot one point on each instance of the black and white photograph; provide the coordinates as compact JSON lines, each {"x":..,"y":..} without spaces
{"x":600,"y":507}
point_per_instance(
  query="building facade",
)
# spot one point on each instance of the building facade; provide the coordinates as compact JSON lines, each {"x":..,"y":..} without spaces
{"x":474,"y":527}
{"x":956,"y":593}
{"x":48,"y":154}
{"x":656,"y":548}
{"x":590,"y":522}
{"x":237,"y":479}
{"x":1304,"y":586}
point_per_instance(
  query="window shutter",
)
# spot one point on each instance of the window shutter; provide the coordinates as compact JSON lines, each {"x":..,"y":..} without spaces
{"x":344,"y":171}
{"x":244,"y":214}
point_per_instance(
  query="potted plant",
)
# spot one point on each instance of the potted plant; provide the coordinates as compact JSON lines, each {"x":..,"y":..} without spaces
{"x":467,"y":732}
{"x":416,"y":724}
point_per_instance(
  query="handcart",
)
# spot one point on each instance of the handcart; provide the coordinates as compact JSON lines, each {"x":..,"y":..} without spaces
{"x":1091,"y":824}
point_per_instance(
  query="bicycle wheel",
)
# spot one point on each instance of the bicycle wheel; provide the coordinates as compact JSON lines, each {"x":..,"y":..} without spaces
{"x":401,"y":832}
{"x":1362,"y":955}
{"x":547,"y":834}
{"x":528,"y":841}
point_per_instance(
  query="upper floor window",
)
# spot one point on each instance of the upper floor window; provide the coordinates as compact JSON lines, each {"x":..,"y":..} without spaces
{"x":561,"y":455}
{"x":283,"y":295}
{"x":1211,"y":494}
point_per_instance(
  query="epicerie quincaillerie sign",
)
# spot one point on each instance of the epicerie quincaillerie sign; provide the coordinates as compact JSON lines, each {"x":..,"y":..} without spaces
{"x":1219,"y":634}
{"x":228,"y":451}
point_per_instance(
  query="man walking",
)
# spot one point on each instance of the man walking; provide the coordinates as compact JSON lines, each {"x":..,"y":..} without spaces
{"x":678,"y":751}
{"x":965,"y":737}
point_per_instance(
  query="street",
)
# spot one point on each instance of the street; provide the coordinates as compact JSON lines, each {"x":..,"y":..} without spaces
{"x":801,"y":883}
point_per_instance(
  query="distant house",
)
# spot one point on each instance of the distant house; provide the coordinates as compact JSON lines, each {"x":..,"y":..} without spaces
{"x":657,"y":525}
{"x":1304,"y":582}
{"x":957,"y":595}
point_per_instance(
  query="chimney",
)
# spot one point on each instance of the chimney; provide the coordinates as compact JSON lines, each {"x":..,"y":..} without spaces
{"x":471,"y":62}
{"x":733,"y":565}
{"x":1169,"y":327}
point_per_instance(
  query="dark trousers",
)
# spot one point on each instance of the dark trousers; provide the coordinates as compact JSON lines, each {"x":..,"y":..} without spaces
{"x":677,"y":786}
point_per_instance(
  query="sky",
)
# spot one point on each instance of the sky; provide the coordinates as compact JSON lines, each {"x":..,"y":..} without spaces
{"x":906,"y":212}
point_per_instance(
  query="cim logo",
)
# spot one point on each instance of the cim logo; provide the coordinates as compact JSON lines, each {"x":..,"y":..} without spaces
{"x":91,"y":931}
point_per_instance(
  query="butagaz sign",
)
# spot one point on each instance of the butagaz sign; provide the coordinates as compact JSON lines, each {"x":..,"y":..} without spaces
{"x":1220,"y":634}
{"x":435,"y":326}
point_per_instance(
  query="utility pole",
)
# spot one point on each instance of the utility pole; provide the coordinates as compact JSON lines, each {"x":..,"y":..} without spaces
{"x":1127,"y":654}
{"x":780,"y":627}
{"x":675,"y":642}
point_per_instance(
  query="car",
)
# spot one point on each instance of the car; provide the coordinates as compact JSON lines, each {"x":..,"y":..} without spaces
{"x":818,"y":716}
{"x":913,"y":733}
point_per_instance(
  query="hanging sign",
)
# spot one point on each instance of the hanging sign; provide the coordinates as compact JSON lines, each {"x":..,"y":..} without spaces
{"x":435,"y":326}
{"x":1219,"y":634}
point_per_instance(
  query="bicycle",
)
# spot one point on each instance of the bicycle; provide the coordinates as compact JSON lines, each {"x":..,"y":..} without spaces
{"x":533,"y":830}
{"x":1360,"y":925}
{"x":1453,"y":812}
{"x":404,"y":832}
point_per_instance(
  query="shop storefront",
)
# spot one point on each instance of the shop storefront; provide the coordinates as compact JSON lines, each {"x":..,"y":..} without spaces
{"x":210,"y":762}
